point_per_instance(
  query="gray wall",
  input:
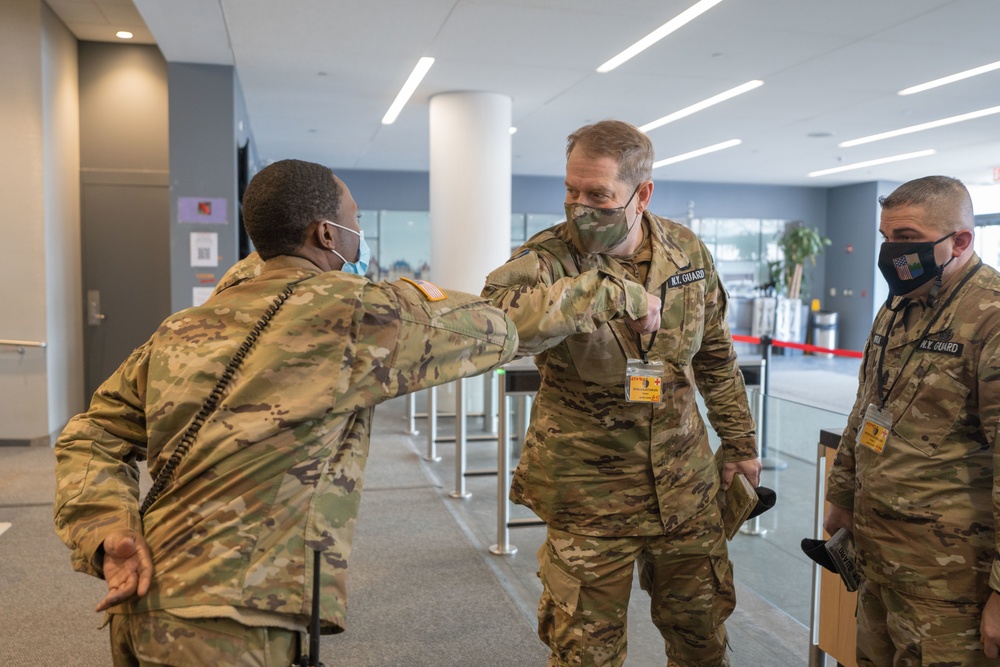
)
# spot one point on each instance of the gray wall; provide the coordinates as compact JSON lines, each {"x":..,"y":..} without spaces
{"x":204,"y":105}
{"x":855,"y":289}
{"x":124,"y":164}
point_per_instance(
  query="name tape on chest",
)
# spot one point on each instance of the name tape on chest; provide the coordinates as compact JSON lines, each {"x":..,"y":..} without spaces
{"x":431,"y":291}
{"x":942,"y":347}
{"x":681,"y":279}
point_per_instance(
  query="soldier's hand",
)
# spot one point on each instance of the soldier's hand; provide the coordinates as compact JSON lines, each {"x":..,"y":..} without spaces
{"x":989,"y":628}
{"x":128,"y":567}
{"x":837,"y":518}
{"x":650,"y":322}
{"x":749,"y":469}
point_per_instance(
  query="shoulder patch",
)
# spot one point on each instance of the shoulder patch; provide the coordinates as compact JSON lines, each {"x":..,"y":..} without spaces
{"x":431,"y":291}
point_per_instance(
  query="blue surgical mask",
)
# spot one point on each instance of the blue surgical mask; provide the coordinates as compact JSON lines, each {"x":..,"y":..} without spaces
{"x":359,"y":266}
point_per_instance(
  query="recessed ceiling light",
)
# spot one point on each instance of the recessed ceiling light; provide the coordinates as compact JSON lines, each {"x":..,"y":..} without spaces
{"x":513,"y":130}
{"x":673,"y":24}
{"x":872,"y":163}
{"x":951,"y":120}
{"x":701,"y":151}
{"x":975,"y":71}
{"x":124,"y":34}
{"x":412,"y":81}
{"x":704,"y":104}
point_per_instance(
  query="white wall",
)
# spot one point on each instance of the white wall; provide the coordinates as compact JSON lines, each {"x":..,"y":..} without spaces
{"x":23,"y":411}
{"x":63,"y":303}
{"x":39,"y":223}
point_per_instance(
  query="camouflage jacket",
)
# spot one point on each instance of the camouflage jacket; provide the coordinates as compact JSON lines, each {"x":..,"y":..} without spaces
{"x":593,"y":463}
{"x":276,"y":471}
{"x":925,"y":509}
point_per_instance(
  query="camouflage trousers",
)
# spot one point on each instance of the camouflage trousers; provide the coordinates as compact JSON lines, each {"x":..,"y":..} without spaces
{"x":900,"y":630}
{"x":160,"y":638}
{"x":587,"y":581}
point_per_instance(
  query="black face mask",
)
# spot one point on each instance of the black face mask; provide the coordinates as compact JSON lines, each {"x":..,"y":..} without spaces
{"x":907,"y":265}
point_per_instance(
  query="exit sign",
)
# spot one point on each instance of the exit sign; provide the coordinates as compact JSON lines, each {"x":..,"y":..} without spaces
{"x":996,"y":174}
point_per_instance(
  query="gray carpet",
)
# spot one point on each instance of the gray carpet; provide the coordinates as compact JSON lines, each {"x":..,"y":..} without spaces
{"x":420,"y":593}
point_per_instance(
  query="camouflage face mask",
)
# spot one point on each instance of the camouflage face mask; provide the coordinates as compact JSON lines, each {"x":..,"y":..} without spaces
{"x":596,"y":230}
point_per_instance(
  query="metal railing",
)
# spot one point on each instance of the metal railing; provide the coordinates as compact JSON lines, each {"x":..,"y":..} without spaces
{"x":21,"y":344}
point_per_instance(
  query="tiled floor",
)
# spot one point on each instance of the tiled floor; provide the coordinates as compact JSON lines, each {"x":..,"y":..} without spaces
{"x":774,"y":578}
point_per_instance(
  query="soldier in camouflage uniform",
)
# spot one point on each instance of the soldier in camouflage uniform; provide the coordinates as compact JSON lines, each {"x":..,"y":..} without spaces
{"x":220,"y":569}
{"x":916,"y":476}
{"x":621,"y":482}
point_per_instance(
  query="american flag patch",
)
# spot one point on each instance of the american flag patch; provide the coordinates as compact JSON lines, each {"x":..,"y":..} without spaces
{"x":908,"y":267}
{"x":429,"y":290}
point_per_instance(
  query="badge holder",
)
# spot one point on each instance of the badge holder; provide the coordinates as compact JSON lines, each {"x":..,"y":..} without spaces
{"x":644,"y":381}
{"x":875,"y":430}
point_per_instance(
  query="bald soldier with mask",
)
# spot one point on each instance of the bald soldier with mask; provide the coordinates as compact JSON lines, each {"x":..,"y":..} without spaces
{"x":916,"y":477}
{"x":254,"y":411}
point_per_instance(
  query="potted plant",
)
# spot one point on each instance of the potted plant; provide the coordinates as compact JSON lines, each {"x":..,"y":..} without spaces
{"x":798,"y":244}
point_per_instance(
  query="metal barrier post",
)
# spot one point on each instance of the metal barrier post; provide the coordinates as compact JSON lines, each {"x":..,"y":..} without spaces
{"x":518,"y":378}
{"x":503,"y":547}
{"x":460,"y":441}
{"x":411,"y":414}
{"x":432,"y":426}
{"x":489,"y":413}
{"x":766,"y":462}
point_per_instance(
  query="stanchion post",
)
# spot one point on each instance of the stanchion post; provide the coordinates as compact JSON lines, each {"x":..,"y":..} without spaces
{"x":489,"y":414}
{"x":432,"y":426}
{"x":503,"y":547}
{"x":461,"y":413}
{"x":411,"y":414}
{"x":765,"y":372}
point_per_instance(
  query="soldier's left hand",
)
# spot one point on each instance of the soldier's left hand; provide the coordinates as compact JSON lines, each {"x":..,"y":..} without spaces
{"x":749,"y":469}
{"x":989,"y":628}
{"x":128,"y":567}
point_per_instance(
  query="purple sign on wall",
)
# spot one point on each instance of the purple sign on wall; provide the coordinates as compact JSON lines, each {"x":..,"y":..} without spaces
{"x":201,"y":209}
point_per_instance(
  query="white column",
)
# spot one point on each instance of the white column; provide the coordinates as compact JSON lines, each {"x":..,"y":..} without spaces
{"x":470,"y":182}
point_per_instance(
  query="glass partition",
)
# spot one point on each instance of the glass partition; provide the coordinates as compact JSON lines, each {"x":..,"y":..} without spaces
{"x":766,"y":554}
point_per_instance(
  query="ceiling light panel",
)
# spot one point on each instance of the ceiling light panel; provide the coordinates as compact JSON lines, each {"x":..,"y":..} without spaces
{"x":951,"y":120}
{"x":682,"y":19}
{"x":872,"y":163}
{"x":951,"y":78}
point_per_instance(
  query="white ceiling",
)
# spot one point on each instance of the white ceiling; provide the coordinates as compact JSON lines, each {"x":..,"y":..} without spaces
{"x":318,"y":75}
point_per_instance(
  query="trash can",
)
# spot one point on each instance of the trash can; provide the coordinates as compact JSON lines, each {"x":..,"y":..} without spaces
{"x":824,"y":333}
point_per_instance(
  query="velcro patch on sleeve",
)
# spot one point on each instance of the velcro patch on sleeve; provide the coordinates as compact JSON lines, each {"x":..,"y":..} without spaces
{"x":429,"y":290}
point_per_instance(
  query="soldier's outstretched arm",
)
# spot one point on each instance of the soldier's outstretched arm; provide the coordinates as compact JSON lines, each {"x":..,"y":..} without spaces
{"x":547,"y":308}
{"x":410,"y":337}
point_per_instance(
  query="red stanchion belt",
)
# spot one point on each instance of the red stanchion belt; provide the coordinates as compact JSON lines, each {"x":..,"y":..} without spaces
{"x":801,"y":346}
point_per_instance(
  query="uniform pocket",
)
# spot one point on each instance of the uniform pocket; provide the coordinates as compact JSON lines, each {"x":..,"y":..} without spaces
{"x":960,"y":648}
{"x":598,"y":357}
{"x":724,"y":601}
{"x":562,"y":588}
{"x":933,"y":411}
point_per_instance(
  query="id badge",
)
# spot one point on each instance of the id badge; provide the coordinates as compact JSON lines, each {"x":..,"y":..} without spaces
{"x":644,"y":381}
{"x":875,"y":429}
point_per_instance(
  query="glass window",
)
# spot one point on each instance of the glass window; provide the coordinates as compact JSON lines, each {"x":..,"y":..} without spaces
{"x":517,"y":233}
{"x":537,"y":222}
{"x":987,"y":245}
{"x":404,"y":244}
